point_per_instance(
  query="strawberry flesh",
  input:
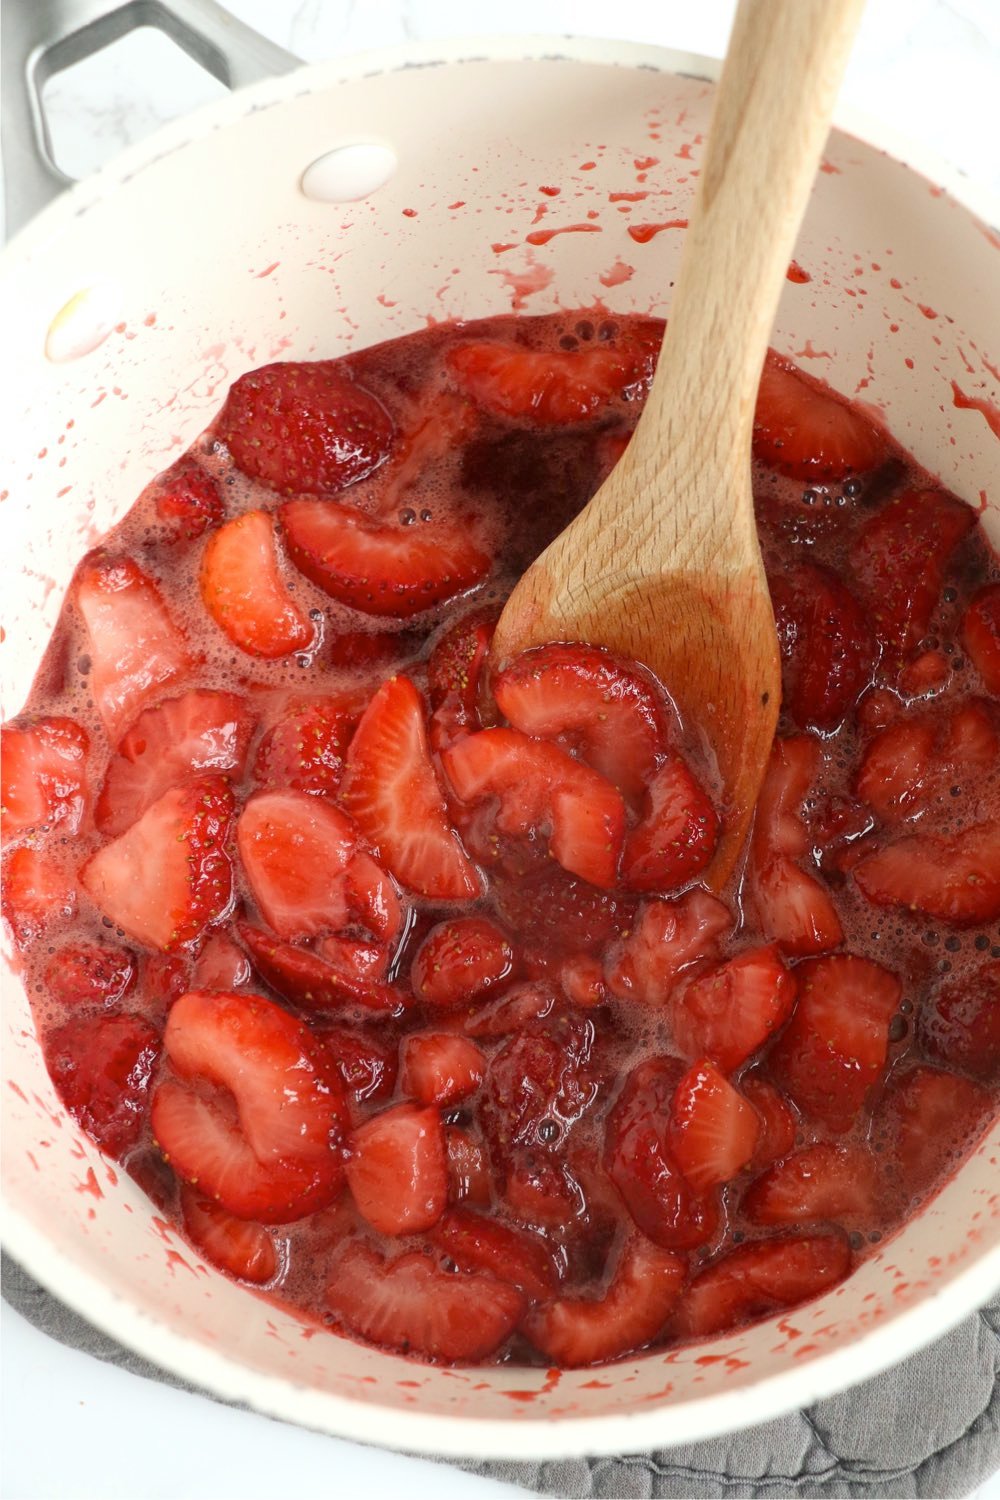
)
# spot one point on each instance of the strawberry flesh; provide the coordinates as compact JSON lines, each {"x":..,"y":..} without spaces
{"x":305,"y":749}
{"x":981,"y":635}
{"x":243,"y":590}
{"x":956,"y":880}
{"x":759,"y":1279}
{"x":284,"y":839}
{"x":827,"y":648}
{"x":44,"y":775}
{"x":101,"y":1066}
{"x":805,"y":431}
{"x":478,"y":1243}
{"x":727,"y":1012}
{"x":677,"y":835}
{"x":81,"y":973}
{"x":960,"y":1026}
{"x":713,"y":1130}
{"x":238,"y":1247}
{"x":825,"y":1181}
{"x":440,"y":1068}
{"x":397,"y":1169}
{"x":547,"y":389}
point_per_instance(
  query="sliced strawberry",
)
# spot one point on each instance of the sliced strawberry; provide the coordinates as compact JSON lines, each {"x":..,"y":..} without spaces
{"x":188,"y":501}
{"x":792,"y":905}
{"x":802,"y":429}
{"x":713,"y":1130}
{"x":163,"y":978}
{"x":981,"y":635}
{"x":365,"y":652}
{"x":397,"y":1169}
{"x":166,"y":879}
{"x":362,"y":958}
{"x":759,"y":1279}
{"x":956,"y":880}
{"x":409,"y":1305}
{"x":312,"y":982}
{"x":901,"y":558}
{"x":381,"y":567}
{"x":778,"y":1120}
{"x":469,"y":1179}
{"x":834,"y":1048}
{"x":677,"y":835}
{"x":454,"y":676}
{"x":919,"y":758}
{"x":44,"y":775}
{"x":440,"y":1068}
{"x":730,"y":1010}
{"x":668,"y":938}
{"x":540,"y":1083}
{"x":244,"y":1250}
{"x":373,"y":897}
{"x":515,"y":1010}
{"x":89,"y":972}
{"x":244,"y":592}
{"x":305,"y":749}
{"x":827,"y":647}
{"x":220,"y":965}
{"x":540,"y":785}
{"x":294,"y":849}
{"x":928,"y":1119}
{"x":365,"y":1063}
{"x":255,"y":1115}
{"x":461,"y":960}
{"x":101,"y":1066}
{"x":477,"y":1243}
{"x":196,"y":732}
{"x":539,"y":1191}
{"x":548,"y":388}
{"x":555,"y":915}
{"x":36,"y":891}
{"x":390,"y":788}
{"x":135,"y":649}
{"x":582,"y":980}
{"x":304,"y":427}
{"x":960,"y":1026}
{"x":824,"y":1181}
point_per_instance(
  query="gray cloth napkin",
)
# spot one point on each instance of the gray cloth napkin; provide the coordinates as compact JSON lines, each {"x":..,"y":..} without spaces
{"x":929,"y":1427}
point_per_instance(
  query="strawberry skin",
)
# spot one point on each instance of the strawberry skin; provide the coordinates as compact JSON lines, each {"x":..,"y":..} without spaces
{"x":461,"y":960}
{"x":792,"y":905}
{"x":243,"y":591}
{"x":478,"y":1243}
{"x":960,"y":1027}
{"x":397,"y":1169}
{"x":308,"y":980}
{"x":455,"y":669}
{"x":44,"y":775}
{"x":305,"y":749}
{"x":544,"y":1076}
{"x":756,"y":1280}
{"x":366,"y":1063}
{"x":668,"y":938}
{"x":677,"y":835}
{"x":956,"y":880}
{"x":827,"y":648}
{"x":981,"y":635}
{"x":546,"y":388}
{"x":926,"y":1120}
{"x":805,"y":431}
{"x":728,"y":1011}
{"x":779,"y":1122}
{"x":294,"y":848}
{"x":89,"y":972}
{"x":440,"y":1068}
{"x":713,"y":1130}
{"x":824,"y":1181}
{"x":901,"y":557}
{"x":101,"y":1066}
{"x":917,"y":758}
{"x":188,"y":501}
{"x":242,"y":1249}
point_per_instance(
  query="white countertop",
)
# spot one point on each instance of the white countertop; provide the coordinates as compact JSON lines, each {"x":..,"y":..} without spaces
{"x":71,"y":1428}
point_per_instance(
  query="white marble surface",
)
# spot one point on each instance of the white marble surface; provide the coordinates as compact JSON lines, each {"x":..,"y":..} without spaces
{"x":71,"y":1428}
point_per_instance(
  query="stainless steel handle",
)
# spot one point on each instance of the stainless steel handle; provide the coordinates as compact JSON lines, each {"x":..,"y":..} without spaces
{"x":41,"y":37}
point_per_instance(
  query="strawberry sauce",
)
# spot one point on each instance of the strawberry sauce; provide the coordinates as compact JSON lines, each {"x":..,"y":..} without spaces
{"x":388,"y":973}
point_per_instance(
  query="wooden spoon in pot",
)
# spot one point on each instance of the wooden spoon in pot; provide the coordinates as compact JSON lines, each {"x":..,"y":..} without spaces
{"x":663,"y":565}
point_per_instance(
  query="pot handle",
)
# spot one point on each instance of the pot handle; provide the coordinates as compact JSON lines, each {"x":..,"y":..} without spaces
{"x":41,"y":37}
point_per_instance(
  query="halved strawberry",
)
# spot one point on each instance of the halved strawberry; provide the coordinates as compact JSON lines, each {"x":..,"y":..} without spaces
{"x":713,"y":1130}
{"x":981,"y":635}
{"x":244,"y":1250}
{"x":44,"y":775}
{"x":928,"y":1119}
{"x":89,"y":972}
{"x":243,"y":590}
{"x":294,"y":849}
{"x":759,"y":1279}
{"x":677,"y":835}
{"x":305,"y":749}
{"x":35,"y":892}
{"x":730,"y":1010}
{"x":960,"y":1026}
{"x":834,"y":1048}
{"x":397,"y":1169}
{"x":901,"y":558}
{"x":954,"y":879}
{"x":469,"y":1179}
{"x":381,"y":567}
{"x":779,"y":1121}
{"x":792,"y":905}
{"x":254,"y":1114}
{"x":101,"y":1066}
{"x":804,"y":430}
{"x":410,"y":1305}
{"x":311,"y":981}
{"x":824,"y":1181}
{"x":477,"y":1243}
{"x":198,"y":731}
{"x":827,"y":647}
{"x":454,"y":676}
{"x":134,"y":647}
{"x":220,"y":965}
{"x":921,"y":757}
{"x":668,"y":938}
{"x":461,"y":960}
{"x":304,"y":427}
{"x":541,"y":786}
{"x":187,"y":500}
{"x":439,"y":1067}
{"x":390,"y":788}
{"x":540,"y":1083}
{"x":602,"y":707}
{"x":549,"y":388}
{"x":365,"y":1063}
{"x":166,"y":879}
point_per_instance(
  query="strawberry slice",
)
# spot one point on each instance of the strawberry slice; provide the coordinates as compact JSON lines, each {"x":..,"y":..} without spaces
{"x":792,"y":905}
{"x":361,"y":957}
{"x":238,"y":1247}
{"x":919,"y":758}
{"x":834,"y":1048}
{"x":35,"y":892}
{"x":981,"y":635}
{"x":166,"y":879}
{"x":824,"y":1181}
{"x":101,"y":1066}
{"x":730,"y":1010}
{"x":391,"y":790}
{"x":82,"y":973}
{"x":779,"y":1122}
{"x":197,"y":732}
{"x":455,"y":670}
{"x":547,"y":388}
{"x":294,"y":849}
{"x":44,"y":775}
{"x":381,"y":567}
{"x":461,"y":960}
{"x":666,"y":940}
{"x":677,"y":835}
{"x":901,"y":557}
{"x":515,"y":1010}
{"x":540,"y":1083}
{"x":397,"y":1169}
{"x":713,"y":1130}
{"x":135,"y":649}
{"x":956,"y":880}
{"x":304,"y":427}
{"x":220,"y":965}
{"x":804,"y":430}
{"x":759,"y":1279}
{"x":409,"y":1305}
{"x":538,"y":784}
{"x":188,"y":501}
{"x":366,"y":1064}
{"x":305,"y":749}
{"x":243,"y":590}
{"x":477,"y":1243}
{"x":928,"y":1120}
{"x":255,"y":1114}
{"x":960,"y":1026}
{"x":603,"y":709}
{"x":440,"y":1068}
{"x":827,"y":648}
{"x":557,"y":916}
{"x":469,"y":1179}
{"x":373,"y":897}
{"x":312,"y":982}
{"x":541,"y":1192}
{"x":640,"y":1297}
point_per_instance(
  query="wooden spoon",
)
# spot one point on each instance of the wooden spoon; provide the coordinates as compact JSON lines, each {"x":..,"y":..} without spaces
{"x":663,"y":565}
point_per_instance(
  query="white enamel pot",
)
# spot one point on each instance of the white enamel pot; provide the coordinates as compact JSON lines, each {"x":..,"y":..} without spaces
{"x":211,"y":260}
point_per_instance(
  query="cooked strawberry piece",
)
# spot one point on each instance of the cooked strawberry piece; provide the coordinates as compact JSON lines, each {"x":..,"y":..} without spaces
{"x":926,"y":675}
{"x":517,"y":1008}
{"x":304,"y":427}
{"x":804,"y":430}
{"x":555,"y":915}
{"x":89,"y":972}
{"x":188,"y":501}
{"x":477,"y":1243}
{"x":409,"y":1305}
{"x":792,"y":905}
{"x":244,"y":1250}
{"x":362,"y":958}
{"x":981,"y":635}
{"x":824,"y":1181}
{"x":469,"y":1179}
{"x":539,"y":1191}
{"x":397,"y":1169}
{"x":166,"y":879}
{"x":713,"y":1130}
{"x":917,"y":759}
{"x":582,"y":980}
{"x":294,"y":849}
{"x":540,"y":1083}
{"x":220,"y":965}
{"x":927,"y":1119}
{"x":730,"y":1010}
{"x":365,"y":1063}
{"x":759,"y":1279}
{"x":547,"y":388}
{"x":461,"y":960}
{"x":196,"y":732}
{"x":778,"y":1120}
{"x":954,"y":879}
{"x":373,"y":897}
{"x":454,"y":676}
{"x":36,"y":891}
{"x":305,"y":749}
{"x":667,"y":939}
{"x":960,"y":1026}
{"x":677,"y":835}
{"x":440,"y":1068}
{"x":44,"y":775}
{"x":900,"y":559}
{"x":101,"y":1066}
{"x":255,"y":1114}
{"x":365,"y":652}
{"x":135,"y":649}
{"x":163,"y":978}
{"x":312,"y":982}
{"x":640,"y":1162}
{"x":600,"y":705}
{"x":538,"y":784}
{"x":827,"y":648}
{"x":381,"y":567}
{"x":244,"y":592}
{"x":834,"y":1048}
